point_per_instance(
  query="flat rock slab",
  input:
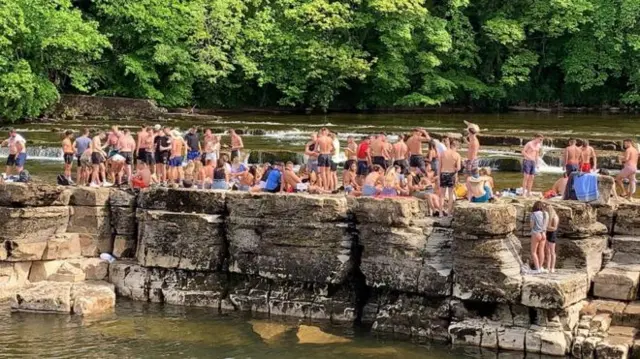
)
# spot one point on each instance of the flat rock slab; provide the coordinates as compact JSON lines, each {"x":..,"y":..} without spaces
{"x":183,"y":200}
{"x":614,"y":347}
{"x":33,"y":195}
{"x":554,"y":291}
{"x":628,"y":219}
{"x":32,"y":224}
{"x":584,"y":254}
{"x":472,"y":221}
{"x":121,"y":198}
{"x":626,"y":244}
{"x":615,"y":282}
{"x":630,"y":317}
{"x":91,"y":298}
{"x":399,"y":212}
{"x":89,"y":196}
{"x":297,"y":207}
{"x":84,"y":298}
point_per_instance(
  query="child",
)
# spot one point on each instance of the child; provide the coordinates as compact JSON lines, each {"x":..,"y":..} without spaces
{"x":537,"y":236}
{"x":552,"y":228}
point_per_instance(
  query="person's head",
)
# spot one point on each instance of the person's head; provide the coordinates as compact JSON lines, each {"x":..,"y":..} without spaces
{"x":280,"y":165}
{"x":141,"y":166}
{"x":324,"y":131}
{"x":313,"y":178}
{"x":485,"y":171}
{"x":353,"y":167}
{"x":446,"y":140}
{"x":538,"y":206}
{"x":382,"y":136}
{"x":224,"y":158}
{"x":232,"y":131}
{"x":236,"y":160}
{"x":193,"y":130}
{"x":289,"y":165}
{"x":114,"y":129}
{"x":207,"y":132}
{"x":85,"y":132}
{"x":167,"y":131}
{"x":538,"y":138}
{"x":68,"y":133}
{"x":101,"y":135}
{"x":349,"y":139}
{"x":314,"y":136}
{"x":565,"y":175}
{"x":220,"y":163}
{"x":252,"y":170}
{"x":12,"y":132}
{"x":585,"y":143}
{"x":126,"y":132}
{"x":415,"y":132}
{"x":150,"y":130}
{"x":572,"y":142}
{"x":472,"y":130}
{"x":378,"y":169}
{"x":404,"y":137}
{"x":332,"y":135}
{"x":454,"y":144}
{"x":157,"y":128}
{"x":627,"y":143}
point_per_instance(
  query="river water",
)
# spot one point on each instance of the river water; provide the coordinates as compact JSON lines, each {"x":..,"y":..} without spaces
{"x":291,"y":132}
{"x":143,"y":330}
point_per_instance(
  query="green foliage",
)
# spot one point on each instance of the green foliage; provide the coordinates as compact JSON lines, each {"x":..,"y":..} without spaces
{"x":320,"y":54}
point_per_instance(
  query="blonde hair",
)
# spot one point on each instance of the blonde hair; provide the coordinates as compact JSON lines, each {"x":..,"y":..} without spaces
{"x":390,"y":177}
{"x":485,"y":171}
{"x":197,"y":166}
{"x":188,"y":170}
{"x":313,"y":178}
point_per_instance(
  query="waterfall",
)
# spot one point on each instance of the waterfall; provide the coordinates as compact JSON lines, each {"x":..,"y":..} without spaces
{"x":38,"y":153}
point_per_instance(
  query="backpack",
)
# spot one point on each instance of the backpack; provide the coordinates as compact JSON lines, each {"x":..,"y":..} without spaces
{"x":62,"y":180}
{"x":24,"y":177}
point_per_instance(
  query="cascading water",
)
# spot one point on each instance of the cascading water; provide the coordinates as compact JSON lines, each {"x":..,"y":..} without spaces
{"x":38,"y":153}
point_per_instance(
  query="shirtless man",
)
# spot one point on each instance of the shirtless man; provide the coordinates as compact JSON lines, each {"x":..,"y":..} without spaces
{"x":387,"y":151}
{"x":236,"y":144}
{"x":374,"y":182}
{"x":325,"y":149}
{"x":377,"y":147}
{"x":560,"y":185}
{"x":177,"y":156}
{"x":291,"y":179}
{"x":211,"y":147}
{"x":142,"y":178}
{"x":414,"y":145}
{"x":350,"y":183}
{"x":112,"y":141}
{"x":531,"y":154}
{"x":479,"y":189}
{"x":127,"y":146}
{"x":571,"y":157}
{"x":17,"y":152}
{"x":68,"y":154}
{"x":141,"y":150}
{"x":587,"y":157}
{"x":472,"y":163}
{"x":630,"y":161}
{"x":98,"y":158}
{"x":351,"y":153}
{"x":450,"y":165}
{"x":162,"y":152}
{"x":399,"y":153}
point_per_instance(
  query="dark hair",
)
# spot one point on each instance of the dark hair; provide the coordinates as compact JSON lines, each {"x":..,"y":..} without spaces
{"x":472,"y":130}
{"x":126,"y":130}
{"x":289,"y":163}
{"x":187,"y":183}
{"x":68,"y":132}
{"x":572,"y":140}
{"x":86,"y":131}
{"x":628,"y":140}
{"x":585,"y":142}
{"x":539,"y":135}
{"x":538,"y":206}
{"x":220,"y":163}
{"x":376,"y":168}
{"x":252,"y":170}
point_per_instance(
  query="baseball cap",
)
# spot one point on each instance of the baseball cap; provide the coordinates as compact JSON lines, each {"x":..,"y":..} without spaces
{"x":157,"y":127}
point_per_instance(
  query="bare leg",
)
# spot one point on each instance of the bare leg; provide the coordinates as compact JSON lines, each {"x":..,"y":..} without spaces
{"x":541,"y":249}
{"x":525,"y":181}
{"x":530,"y":187}
{"x":551,"y":256}
{"x":632,"y":186}
{"x":443,"y":193}
{"x":95,"y":176}
{"x":534,"y":251}
{"x":452,"y":200}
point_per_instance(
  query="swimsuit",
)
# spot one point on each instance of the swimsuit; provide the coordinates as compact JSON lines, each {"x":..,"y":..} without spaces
{"x":629,"y":172}
{"x":484,"y":198}
{"x":418,"y":162}
{"x":529,"y":167}
{"x":447,"y":179}
{"x":380,"y":161}
{"x":368,"y":190}
{"x":403,"y":164}
{"x":389,"y":192}
{"x":363,"y":168}
{"x":585,"y":167}
{"x":571,"y":168}
{"x":324,"y":160}
{"x":471,"y":166}
{"x":551,"y":236}
{"x":68,"y":158}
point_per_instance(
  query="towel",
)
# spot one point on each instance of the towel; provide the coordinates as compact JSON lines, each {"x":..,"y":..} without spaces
{"x":569,"y":191}
{"x":586,"y":187}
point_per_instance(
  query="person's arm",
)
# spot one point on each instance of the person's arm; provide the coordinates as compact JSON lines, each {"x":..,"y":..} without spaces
{"x":4,"y":143}
{"x":138,"y":142}
{"x":425,"y":136}
{"x":240,"y":143}
{"x":368,"y":152}
{"x":565,"y":156}
{"x":595,"y":159}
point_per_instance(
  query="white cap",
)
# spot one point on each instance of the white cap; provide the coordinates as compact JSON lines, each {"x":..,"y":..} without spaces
{"x":157,"y":127}
{"x":473,"y":126}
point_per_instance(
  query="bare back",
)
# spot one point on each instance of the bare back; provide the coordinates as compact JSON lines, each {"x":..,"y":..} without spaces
{"x":376,"y":148}
{"x":400,"y":151}
{"x":236,"y":142}
{"x":473,"y":148}
{"x":631,"y":157}
{"x":450,"y":161}
{"x":414,"y":145}
{"x":325,"y":145}
{"x":586,"y":154}
{"x":572,"y":155}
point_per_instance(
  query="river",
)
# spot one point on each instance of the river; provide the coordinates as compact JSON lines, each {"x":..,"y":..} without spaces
{"x":143,"y":330}
{"x":290,"y":133}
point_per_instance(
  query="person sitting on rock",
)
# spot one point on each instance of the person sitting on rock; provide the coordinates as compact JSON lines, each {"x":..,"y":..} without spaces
{"x":373,"y":182}
{"x":248,"y":179}
{"x":558,"y":187}
{"x":479,"y":190}
{"x":142,"y":178}
{"x":350,"y":180}
{"x":390,"y":188}
{"x":292,"y":183}
{"x":220,"y":176}
{"x":423,"y":187}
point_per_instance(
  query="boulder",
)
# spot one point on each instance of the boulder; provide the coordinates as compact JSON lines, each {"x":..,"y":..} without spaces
{"x":473,"y":221}
{"x":606,"y":213}
{"x":183,"y":200}
{"x":90,"y":244}
{"x":554,"y":290}
{"x":24,"y":251}
{"x":32,"y":224}
{"x":89,"y":196}
{"x":399,"y":212}
{"x":93,"y":268}
{"x":626,"y":244}
{"x":577,"y":219}
{"x":124,"y":247}
{"x":94,"y":221}
{"x":67,"y":273}
{"x":583,"y":254}
{"x":589,"y":347}
{"x":180,"y":240}
{"x":613,"y":347}
{"x":12,"y":276}
{"x":612,"y":307}
{"x":32,"y":195}
{"x":121,"y":198}
{"x":286,"y":249}
{"x":130,"y":280}
{"x":187,"y":288}
{"x":615,"y":282}
{"x":63,"y":246}
{"x":630,"y":316}
{"x":487,"y":270}
{"x":628,"y":219}
{"x":511,"y":338}
{"x":123,"y":220}
{"x":91,"y":298}
{"x":52,"y":297}
{"x":296,"y":207}
{"x":606,"y":188}
{"x":43,"y":270}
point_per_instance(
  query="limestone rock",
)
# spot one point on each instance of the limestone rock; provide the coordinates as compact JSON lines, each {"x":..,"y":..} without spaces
{"x":130,"y":280}
{"x":183,"y":200}
{"x":618,"y":331}
{"x":95,"y":221}
{"x":67,"y":273}
{"x":606,"y":213}
{"x":626,"y":244}
{"x":630,"y":316}
{"x":248,"y":294}
{"x":554,"y":291}
{"x":313,"y":335}
{"x":589,"y":347}
{"x":89,"y":244}
{"x":180,"y":240}
{"x":628,"y":219}
{"x":614,"y":348}
{"x":25,"y":251}
{"x":612,"y":307}
{"x":89,"y":196}
{"x":269,"y":331}
{"x":63,"y":246}
{"x":398,"y":212}
{"x":546,"y":341}
{"x":43,"y":297}
{"x":310,"y":301}
{"x":577,"y":219}
{"x":95,"y":269}
{"x":91,"y":298}
{"x":299,"y":207}
{"x":468,"y":332}
{"x":123,"y":220}
{"x":32,"y":224}
{"x":121,"y":198}
{"x":43,"y":270}
{"x":582,"y":254}
{"x":511,"y":338}
{"x":124,"y":247}
{"x":487,"y":270}
{"x":291,"y":250}
{"x":473,"y":220}
{"x":192,"y":298}
{"x":615,"y":282}
{"x":12,"y":277}
{"x":32,"y":195}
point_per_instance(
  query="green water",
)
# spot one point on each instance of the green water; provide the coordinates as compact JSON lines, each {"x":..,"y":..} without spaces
{"x":142,"y":330}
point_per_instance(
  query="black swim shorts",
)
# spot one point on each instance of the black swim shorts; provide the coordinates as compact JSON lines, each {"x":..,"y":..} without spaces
{"x":551,"y":236}
{"x":447,"y":179}
{"x":68,"y":158}
{"x":417,"y":161}
{"x":380,"y":161}
{"x":324,"y":161}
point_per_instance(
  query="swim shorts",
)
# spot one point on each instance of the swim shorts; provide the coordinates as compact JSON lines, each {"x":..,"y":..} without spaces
{"x":403,"y":164}
{"x":68,"y":158}
{"x":447,"y":179}
{"x":417,"y":161}
{"x":380,"y":161}
{"x":529,"y":167}
{"x":551,"y":236}
{"x":585,"y":167}
{"x":471,"y":166}
{"x":363,"y":168}
{"x":571,"y":168}
{"x":128,"y":157}
{"x":324,"y":161}
{"x":175,"y":161}
{"x":97,"y":158}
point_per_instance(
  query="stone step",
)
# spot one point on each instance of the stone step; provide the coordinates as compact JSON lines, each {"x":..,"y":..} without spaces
{"x":617,"y":281}
{"x":626,"y":244}
{"x":554,"y":290}
{"x":84,"y":298}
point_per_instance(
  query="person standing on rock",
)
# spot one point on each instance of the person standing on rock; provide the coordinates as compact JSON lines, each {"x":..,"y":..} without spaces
{"x":162,"y":151}
{"x":571,"y":157}
{"x":364,"y":159}
{"x":531,"y":154}
{"x":192,"y":140}
{"x":236,"y":144}
{"x":377,"y":149}
{"x":177,"y":156}
{"x":450,"y":165}
{"x":17,"y":152}
{"x":127,"y":146}
{"x":98,"y":158}
{"x":211,"y":147}
{"x":311,"y":152}
{"x":81,"y":144}
{"x":414,"y":145}
{"x":630,"y":161}
{"x":68,"y":154}
{"x":588,"y":158}
{"x":351,"y":154}
{"x":552,"y":230}
{"x":399,"y":154}
{"x":325,"y":149}
{"x":537,"y":220}
{"x":471,"y":165}
{"x":335,"y":157}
